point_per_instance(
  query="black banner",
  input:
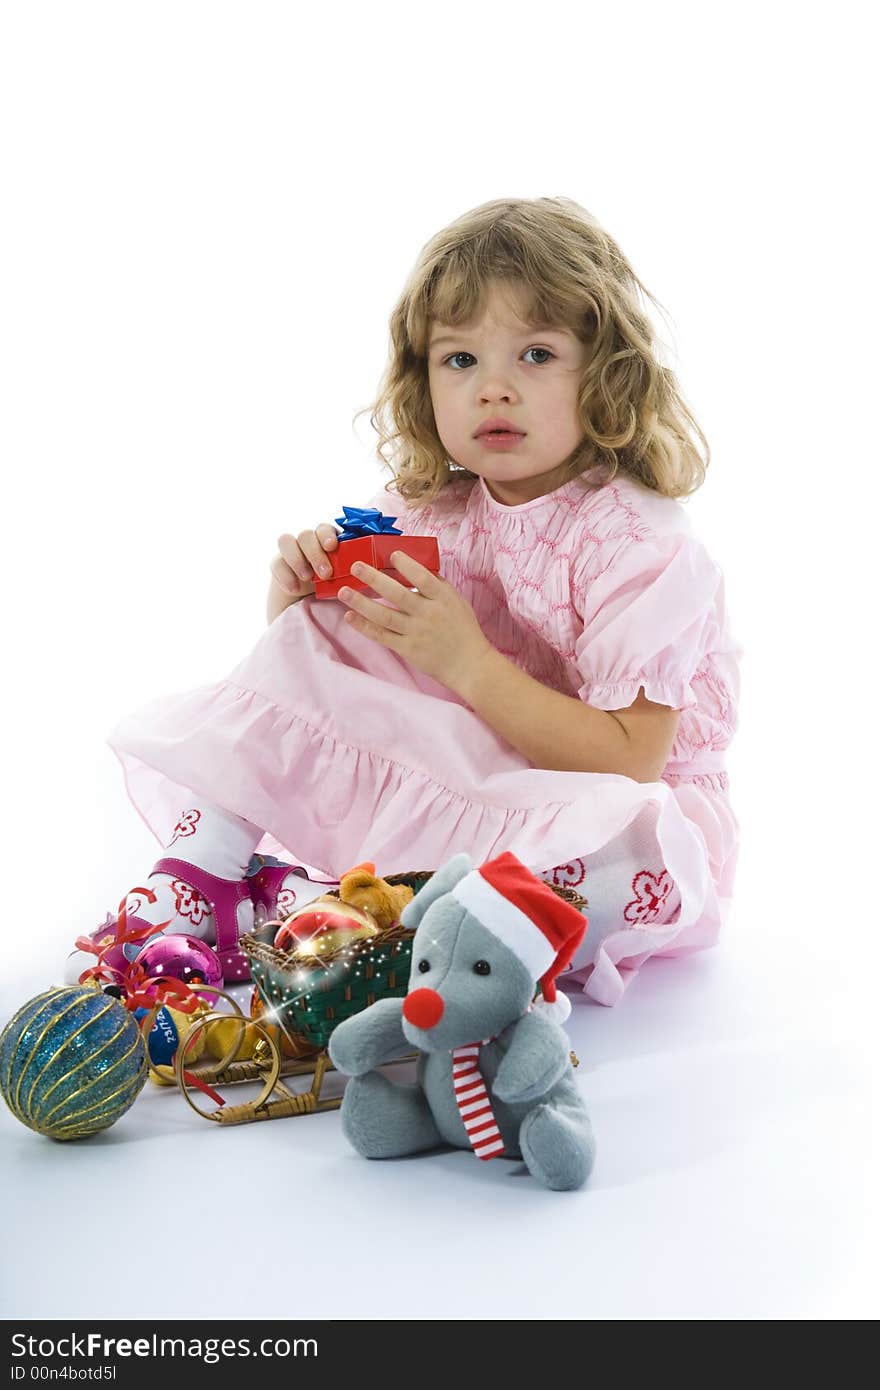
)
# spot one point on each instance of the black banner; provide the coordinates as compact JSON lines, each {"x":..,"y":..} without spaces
{"x":182,"y":1353}
{"x":194,"y":1353}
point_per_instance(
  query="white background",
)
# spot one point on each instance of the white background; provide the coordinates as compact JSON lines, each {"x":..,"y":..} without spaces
{"x":209,"y":210}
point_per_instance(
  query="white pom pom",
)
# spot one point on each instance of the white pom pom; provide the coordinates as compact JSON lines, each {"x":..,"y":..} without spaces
{"x":558,"y":1011}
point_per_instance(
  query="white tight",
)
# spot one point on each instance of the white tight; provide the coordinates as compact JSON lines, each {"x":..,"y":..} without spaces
{"x":625,"y":884}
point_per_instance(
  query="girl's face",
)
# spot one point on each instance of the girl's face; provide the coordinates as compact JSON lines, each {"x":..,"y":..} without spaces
{"x":501,"y":366}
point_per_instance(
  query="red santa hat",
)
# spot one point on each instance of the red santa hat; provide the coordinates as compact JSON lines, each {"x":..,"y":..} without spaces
{"x":540,"y":928}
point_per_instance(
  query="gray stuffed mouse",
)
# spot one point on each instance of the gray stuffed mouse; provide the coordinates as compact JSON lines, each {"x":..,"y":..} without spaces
{"x":494,"y":1072}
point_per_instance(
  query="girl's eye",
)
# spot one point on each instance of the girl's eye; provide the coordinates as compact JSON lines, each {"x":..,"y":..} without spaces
{"x":546,"y":352}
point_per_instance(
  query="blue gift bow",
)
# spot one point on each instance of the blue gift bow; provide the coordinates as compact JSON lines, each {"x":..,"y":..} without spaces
{"x":365,"y":521}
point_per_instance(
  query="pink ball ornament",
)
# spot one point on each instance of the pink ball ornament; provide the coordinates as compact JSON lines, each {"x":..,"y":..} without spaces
{"x":183,"y":958}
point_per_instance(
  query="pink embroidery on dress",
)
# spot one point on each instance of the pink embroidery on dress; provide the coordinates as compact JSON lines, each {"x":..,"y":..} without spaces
{"x":567,"y":875}
{"x":529,"y":575}
{"x":651,"y":892}
{"x":185,"y":826}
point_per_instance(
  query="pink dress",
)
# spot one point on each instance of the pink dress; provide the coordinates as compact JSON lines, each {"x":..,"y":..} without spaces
{"x":340,"y":752}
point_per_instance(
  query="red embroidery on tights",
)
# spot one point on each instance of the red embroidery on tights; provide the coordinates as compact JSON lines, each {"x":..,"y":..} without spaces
{"x":185,"y":826}
{"x":190,"y":903}
{"x":567,"y":875}
{"x":651,"y":892}
{"x":285,"y":903}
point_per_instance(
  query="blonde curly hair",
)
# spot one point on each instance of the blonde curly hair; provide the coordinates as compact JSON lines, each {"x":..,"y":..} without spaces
{"x":634,"y":418}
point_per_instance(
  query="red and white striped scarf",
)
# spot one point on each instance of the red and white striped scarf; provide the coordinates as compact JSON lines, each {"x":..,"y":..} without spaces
{"x":473,"y":1102}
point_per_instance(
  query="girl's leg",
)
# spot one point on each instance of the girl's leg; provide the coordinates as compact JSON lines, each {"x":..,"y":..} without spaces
{"x":209,"y":838}
{"x":625,"y":884}
{"x":209,"y":851}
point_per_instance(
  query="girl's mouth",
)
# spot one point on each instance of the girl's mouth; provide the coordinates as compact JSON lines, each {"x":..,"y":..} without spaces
{"x":500,"y":439}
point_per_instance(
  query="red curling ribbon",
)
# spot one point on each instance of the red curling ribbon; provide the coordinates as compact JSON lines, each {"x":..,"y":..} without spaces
{"x":123,"y":933}
{"x":99,"y":975}
{"x":192,"y":1080}
{"x":143,"y":991}
{"x":140,"y":990}
{"x":157,"y":990}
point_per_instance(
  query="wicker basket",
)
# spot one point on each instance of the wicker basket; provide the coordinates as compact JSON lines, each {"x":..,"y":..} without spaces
{"x":309,"y":1001}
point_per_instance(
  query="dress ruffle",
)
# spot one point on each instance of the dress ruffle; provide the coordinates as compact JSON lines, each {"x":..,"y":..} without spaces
{"x":300,"y":741}
{"x":676,"y":693}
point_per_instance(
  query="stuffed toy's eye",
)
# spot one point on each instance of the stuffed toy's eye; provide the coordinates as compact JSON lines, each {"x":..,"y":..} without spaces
{"x":482,"y":967}
{"x":424,"y":965}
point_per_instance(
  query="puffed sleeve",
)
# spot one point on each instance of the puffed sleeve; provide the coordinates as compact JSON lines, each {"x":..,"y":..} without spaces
{"x":650,"y":613}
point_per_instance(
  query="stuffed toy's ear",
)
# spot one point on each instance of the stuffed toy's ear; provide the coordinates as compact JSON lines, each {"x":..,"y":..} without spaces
{"x":443,"y":881}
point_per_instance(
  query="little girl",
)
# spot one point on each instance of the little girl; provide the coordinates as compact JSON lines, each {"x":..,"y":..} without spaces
{"x":565,"y":688}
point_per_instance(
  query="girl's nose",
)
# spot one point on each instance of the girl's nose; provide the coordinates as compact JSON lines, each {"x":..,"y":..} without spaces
{"x":423,"y":1008}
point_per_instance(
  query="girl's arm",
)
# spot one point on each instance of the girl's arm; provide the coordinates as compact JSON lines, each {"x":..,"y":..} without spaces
{"x":561,"y":733}
{"x":438,"y":632}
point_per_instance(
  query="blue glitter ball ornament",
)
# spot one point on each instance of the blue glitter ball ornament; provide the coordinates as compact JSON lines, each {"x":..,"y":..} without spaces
{"x":72,"y":1061}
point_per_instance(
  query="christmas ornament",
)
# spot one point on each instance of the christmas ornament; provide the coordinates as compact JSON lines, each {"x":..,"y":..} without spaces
{"x":169,"y":1026}
{"x":364,"y":905}
{"x":326,"y":943}
{"x":181,"y":957}
{"x":325,"y":913}
{"x":72,"y":1061}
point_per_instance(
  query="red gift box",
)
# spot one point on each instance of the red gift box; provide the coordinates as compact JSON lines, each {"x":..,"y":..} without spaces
{"x":375,"y":551}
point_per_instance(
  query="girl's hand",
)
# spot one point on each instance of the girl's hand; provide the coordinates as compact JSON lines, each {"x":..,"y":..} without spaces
{"x":435,"y":630}
{"x":301,"y":558}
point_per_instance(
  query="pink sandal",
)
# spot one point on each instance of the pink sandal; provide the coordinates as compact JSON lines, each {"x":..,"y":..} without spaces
{"x":265,"y":882}
{"x":223,"y":896}
{"x":262,"y":884}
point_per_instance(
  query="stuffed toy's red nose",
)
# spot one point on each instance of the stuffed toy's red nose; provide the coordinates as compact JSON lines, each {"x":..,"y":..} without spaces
{"x":423,"y":1008}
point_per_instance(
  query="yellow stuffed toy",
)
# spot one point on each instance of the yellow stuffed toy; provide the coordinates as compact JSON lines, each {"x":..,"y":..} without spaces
{"x":384,"y":901}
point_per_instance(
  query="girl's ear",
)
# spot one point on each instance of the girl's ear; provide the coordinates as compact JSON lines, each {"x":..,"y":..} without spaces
{"x":443,"y":881}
